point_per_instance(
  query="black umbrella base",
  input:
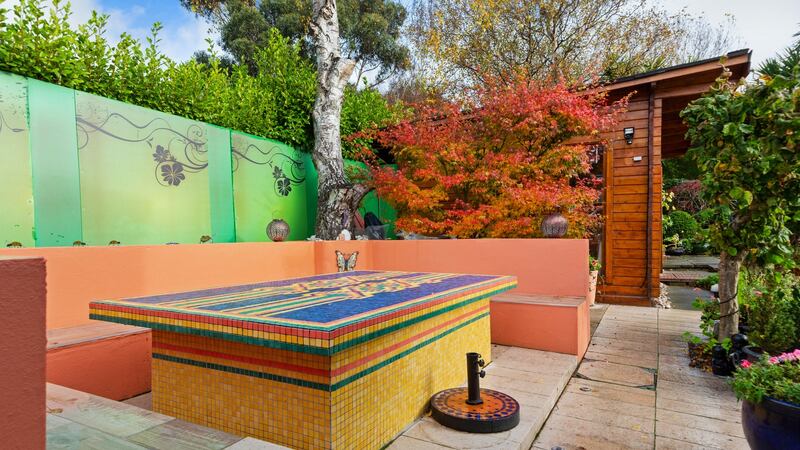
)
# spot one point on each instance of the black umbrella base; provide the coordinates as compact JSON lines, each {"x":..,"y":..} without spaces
{"x":498,"y":412}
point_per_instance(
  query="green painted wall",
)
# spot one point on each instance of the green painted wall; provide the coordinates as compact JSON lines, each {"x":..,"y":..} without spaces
{"x":54,"y":164}
{"x":144,"y":174}
{"x":79,"y":167}
{"x":16,"y":184}
{"x":269,"y":182}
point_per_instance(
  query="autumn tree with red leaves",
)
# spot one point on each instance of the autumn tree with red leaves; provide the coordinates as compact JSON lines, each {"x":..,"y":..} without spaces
{"x":496,"y":167}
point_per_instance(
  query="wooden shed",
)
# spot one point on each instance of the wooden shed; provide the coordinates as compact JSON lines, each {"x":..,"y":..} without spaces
{"x":630,"y":244}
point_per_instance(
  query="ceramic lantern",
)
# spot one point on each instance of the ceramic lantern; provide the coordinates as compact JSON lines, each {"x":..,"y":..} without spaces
{"x":278,"y":230}
{"x":554,"y":226}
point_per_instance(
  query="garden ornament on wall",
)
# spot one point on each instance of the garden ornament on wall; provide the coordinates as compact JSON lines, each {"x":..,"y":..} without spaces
{"x":346,"y":263}
{"x":278,"y":230}
{"x":555,"y":225}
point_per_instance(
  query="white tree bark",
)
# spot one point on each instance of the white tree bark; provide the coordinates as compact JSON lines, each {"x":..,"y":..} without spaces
{"x":338,"y":198}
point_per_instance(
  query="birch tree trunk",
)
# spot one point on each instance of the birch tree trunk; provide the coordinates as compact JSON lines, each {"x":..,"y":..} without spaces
{"x":729,"y":267}
{"x":338,"y":198}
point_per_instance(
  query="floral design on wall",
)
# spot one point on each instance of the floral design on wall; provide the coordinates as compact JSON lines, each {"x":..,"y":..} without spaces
{"x":5,"y":126}
{"x":175,"y":152}
{"x":286,"y":170}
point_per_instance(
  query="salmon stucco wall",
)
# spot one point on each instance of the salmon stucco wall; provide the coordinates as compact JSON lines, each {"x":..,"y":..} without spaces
{"x":22,"y":343}
{"x":557,"y":267}
{"x":78,"y":275}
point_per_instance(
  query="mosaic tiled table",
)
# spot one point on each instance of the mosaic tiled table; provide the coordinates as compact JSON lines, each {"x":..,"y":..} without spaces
{"x":342,"y":360}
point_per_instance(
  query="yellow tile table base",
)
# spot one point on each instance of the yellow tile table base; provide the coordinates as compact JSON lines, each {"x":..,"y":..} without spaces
{"x":335,"y":361}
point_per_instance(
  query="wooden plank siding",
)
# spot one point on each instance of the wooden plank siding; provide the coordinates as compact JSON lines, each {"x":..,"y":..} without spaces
{"x":626,"y":204}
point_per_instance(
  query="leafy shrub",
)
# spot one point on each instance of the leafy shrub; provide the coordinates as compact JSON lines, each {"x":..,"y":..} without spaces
{"x":465,"y":171}
{"x":709,"y":316}
{"x":708,"y":281}
{"x":777,"y":377}
{"x":773,"y":309}
{"x":686,"y":196}
{"x":275,"y":103}
{"x":682,"y":224}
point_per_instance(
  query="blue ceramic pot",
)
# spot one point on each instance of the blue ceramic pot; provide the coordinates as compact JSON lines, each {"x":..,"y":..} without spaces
{"x":771,"y":425}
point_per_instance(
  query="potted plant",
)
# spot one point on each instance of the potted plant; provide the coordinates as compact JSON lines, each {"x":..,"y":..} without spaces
{"x":770,"y":390}
{"x":594,"y":271}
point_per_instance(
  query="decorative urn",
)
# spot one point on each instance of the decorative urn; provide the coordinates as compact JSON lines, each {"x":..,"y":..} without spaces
{"x":554,"y":226}
{"x":278,"y":230}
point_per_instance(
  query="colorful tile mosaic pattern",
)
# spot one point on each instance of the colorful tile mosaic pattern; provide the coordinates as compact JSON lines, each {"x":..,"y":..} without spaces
{"x":333,"y":361}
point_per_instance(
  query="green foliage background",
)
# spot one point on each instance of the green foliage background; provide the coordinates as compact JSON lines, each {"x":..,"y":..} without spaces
{"x":276,"y":102}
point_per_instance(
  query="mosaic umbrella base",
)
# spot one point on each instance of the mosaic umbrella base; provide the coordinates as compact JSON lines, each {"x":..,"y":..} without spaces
{"x":498,"y":412}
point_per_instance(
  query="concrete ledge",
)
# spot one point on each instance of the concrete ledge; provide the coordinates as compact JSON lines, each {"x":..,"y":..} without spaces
{"x":534,"y":378}
{"x":550,"y":323}
{"x":105,"y":359}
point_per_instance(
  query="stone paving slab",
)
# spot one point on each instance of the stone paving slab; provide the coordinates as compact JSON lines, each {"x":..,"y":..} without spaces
{"x":644,"y":361}
{"x":534,"y":378}
{"x":701,"y":423}
{"x":684,"y":408}
{"x":571,"y":433}
{"x":612,"y":392}
{"x":616,"y":373}
{"x":77,"y":420}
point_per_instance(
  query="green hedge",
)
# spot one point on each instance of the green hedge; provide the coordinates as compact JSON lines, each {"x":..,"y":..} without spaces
{"x":40,"y":43}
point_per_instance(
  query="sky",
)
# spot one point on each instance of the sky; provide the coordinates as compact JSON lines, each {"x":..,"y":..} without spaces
{"x":765,"y":26}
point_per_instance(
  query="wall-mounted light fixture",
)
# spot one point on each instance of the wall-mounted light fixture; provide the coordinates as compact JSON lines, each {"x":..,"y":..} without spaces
{"x":628,"y":133}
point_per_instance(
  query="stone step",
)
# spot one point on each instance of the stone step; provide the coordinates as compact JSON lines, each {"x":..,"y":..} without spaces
{"x":76,"y":419}
{"x":683,"y":277}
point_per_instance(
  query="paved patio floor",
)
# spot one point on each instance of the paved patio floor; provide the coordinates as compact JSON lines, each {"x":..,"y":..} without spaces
{"x":635,"y":390}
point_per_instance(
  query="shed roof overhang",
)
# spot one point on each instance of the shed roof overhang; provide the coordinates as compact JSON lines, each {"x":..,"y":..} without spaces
{"x":676,"y":86}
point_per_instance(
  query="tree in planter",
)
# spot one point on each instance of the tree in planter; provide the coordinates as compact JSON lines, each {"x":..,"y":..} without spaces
{"x":745,"y":143}
{"x":496,"y":167}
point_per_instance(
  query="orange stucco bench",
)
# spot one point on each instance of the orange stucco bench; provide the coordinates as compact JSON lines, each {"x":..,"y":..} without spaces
{"x":105,"y":359}
{"x":542,"y":322}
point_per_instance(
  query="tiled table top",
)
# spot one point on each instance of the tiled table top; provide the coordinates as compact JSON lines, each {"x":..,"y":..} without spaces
{"x":305,"y":314}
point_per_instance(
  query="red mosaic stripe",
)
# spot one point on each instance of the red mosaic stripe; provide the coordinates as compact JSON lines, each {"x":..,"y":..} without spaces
{"x":243,"y":359}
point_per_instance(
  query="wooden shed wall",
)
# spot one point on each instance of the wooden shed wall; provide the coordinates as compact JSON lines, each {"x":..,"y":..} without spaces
{"x":626,"y":205}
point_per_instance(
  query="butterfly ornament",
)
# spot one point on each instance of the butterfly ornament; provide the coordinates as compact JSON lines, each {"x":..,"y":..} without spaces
{"x":346,"y":263}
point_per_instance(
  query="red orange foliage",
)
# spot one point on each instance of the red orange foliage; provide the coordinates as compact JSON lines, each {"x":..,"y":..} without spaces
{"x":497,"y":167}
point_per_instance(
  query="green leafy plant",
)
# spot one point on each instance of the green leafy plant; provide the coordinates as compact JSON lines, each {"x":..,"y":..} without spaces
{"x":594,"y":264}
{"x":776,"y":377}
{"x":745,"y":142}
{"x":681,"y":223}
{"x":710,"y":315}
{"x":708,"y":281}
{"x":275,"y":102}
{"x":773,"y":309}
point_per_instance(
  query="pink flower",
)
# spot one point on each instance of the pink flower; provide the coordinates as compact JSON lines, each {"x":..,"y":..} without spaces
{"x":789,"y":357}
{"x":796,"y":353}
{"x":746,"y":364}
{"x":774,"y":360}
